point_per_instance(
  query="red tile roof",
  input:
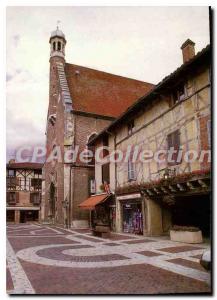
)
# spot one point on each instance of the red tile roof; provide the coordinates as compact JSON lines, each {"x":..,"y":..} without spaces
{"x":204,"y":56}
{"x":92,"y":201}
{"x":102,"y":93}
{"x":25,"y":165}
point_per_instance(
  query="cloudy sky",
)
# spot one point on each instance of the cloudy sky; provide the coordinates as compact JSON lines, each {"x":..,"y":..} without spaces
{"x":137,"y":42}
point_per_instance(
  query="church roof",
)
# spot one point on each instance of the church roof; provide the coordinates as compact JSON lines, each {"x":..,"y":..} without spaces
{"x":57,"y":33}
{"x":101,"y":93}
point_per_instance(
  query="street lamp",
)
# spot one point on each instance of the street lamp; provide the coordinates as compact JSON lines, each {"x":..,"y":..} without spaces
{"x":166,"y":174}
{"x":169,"y":173}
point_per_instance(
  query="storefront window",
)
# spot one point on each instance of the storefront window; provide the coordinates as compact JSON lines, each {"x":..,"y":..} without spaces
{"x":132,"y":218}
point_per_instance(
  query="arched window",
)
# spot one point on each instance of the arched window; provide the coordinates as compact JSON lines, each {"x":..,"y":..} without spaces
{"x":91,"y":148}
{"x":59,"y":46}
{"x":54,"y":46}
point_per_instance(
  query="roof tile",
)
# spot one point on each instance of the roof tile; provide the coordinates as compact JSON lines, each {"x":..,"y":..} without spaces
{"x":102,"y":93}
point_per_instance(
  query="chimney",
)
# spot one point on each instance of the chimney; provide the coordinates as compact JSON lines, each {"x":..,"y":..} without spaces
{"x":188,"y":51}
{"x":12,"y":161}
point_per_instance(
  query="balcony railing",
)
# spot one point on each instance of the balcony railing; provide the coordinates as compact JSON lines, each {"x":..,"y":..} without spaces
{"x":23,"y":184}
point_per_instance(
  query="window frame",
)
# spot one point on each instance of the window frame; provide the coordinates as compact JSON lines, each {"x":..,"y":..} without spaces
{"x":11,"y":170}
{"x":131,"y":127}
{"x":176,"y":96}
{"x":108,"y":173}
{"x":131,"y":169}
{"x":175,"y":136}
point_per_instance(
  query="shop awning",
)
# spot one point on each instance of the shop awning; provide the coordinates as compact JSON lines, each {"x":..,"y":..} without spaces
{"x":92,"y":201}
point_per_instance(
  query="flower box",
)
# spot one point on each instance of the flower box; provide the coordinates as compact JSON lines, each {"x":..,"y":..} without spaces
{"x":183,"y":234}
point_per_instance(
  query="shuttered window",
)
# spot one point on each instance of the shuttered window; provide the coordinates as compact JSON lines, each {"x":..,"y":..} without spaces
{"x":131,"y":127}
{"x":35,"y":198}
{"x":131,"y":169}
{"x":178,"y":94}
{"x":11,"y":198}
{"x":173,"y":141}
{"x":105,"y":173}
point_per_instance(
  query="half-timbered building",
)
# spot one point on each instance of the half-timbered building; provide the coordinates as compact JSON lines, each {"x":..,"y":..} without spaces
{"x":153,"y":195}
{"x":23,"y":191}
{"x":82,"y":102}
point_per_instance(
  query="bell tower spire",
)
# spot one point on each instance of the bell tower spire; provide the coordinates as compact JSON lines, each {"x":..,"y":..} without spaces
{"x":57,"y":43}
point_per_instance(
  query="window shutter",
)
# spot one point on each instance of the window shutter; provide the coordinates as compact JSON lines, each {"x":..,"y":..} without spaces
{"x":105,"y":173}
{"x":173,"y":140}
{"x":17,"y":197}
{"x":131,"y":169}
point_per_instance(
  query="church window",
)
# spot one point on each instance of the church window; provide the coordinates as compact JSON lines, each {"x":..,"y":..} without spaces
{"x":59,"y":46}
{"x":54,"y":46}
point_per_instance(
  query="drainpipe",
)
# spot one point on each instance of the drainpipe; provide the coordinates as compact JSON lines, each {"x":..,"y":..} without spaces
{"x":70,"y":197}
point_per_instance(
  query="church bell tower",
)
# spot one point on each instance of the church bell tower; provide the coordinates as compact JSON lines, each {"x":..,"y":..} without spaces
{"x":57,"y":43}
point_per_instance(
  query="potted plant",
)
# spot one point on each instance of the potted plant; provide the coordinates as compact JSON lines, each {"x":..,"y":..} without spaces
{"x":186,"y":234}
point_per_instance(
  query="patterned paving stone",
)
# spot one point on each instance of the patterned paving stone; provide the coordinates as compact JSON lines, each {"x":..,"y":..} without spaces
{"x":56,"y":253}
{"x":179,"y":249}
{"x":138,"y":241}
{"x":149,"y":253}
{"x":81,"y":230}
{"x":87,"y":238}
{"x":188,"y":263}
{"x":111,"y":244}
{"x":62,"y":230}
{"x":119,"y":237}
{"x":68,"y":262}
{"x":136,"y":279}
{"x":23,"y":243}
{"x":9,"y":281}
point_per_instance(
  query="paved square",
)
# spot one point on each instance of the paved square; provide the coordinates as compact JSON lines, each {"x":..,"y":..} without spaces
{"x":52,"y":260}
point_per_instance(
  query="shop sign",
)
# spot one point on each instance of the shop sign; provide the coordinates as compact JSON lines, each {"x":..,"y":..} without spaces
{"x":130,"y":196}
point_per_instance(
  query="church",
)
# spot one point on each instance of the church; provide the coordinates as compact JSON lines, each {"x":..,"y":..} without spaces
{"x":82,"y":102}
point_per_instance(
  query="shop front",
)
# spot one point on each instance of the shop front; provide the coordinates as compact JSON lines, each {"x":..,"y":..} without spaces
{"x":102,"y":210}
{"x":22,"y":214}
{"x":131,"y":213}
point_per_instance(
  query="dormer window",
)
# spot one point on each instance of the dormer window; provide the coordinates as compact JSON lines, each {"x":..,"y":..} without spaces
{"x":131,"y":127}
{"x":179,"y":93}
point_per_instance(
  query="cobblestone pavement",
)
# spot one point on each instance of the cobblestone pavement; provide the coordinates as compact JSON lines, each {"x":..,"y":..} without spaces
{"x":52,"y":260}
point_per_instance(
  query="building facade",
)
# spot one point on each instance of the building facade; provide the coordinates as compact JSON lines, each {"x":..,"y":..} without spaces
{"x":82,"y":102}
{"x":152,"y":190}
{"x":23,"y":192}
